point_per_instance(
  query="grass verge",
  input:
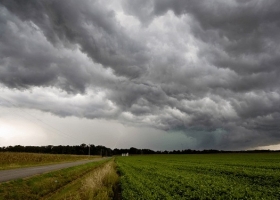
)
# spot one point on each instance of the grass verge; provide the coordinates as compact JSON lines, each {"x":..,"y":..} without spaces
{"x":41,"y":186}
{"x":101,"y":184}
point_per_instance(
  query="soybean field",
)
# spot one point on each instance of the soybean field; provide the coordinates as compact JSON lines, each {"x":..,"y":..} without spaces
{"x":210,"y":176}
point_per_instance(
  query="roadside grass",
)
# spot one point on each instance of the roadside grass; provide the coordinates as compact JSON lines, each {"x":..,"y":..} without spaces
{"x":99,"y":184}
{"x":41,"y":186}
{"x":10,"y":160}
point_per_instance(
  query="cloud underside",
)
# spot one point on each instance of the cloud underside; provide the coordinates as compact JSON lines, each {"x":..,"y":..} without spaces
{"x":208,"y":69}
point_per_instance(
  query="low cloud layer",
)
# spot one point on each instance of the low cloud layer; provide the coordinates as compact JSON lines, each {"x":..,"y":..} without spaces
{"x":207,"y":69}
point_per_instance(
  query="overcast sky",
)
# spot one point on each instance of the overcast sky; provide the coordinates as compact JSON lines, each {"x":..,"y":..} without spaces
{"x":158,"y":74}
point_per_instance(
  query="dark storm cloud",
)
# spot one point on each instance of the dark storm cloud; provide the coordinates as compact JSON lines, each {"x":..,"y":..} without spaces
{"x":85,"y":24}
{"x":242,"y":31}
{"x":209,"y":69}
{"x":241,"y":36}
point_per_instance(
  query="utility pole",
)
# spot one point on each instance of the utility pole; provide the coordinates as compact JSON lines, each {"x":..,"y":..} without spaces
{"x":88,"y":149}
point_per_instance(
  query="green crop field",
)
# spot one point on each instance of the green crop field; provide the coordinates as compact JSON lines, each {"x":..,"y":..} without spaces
{"x":212,"y":176}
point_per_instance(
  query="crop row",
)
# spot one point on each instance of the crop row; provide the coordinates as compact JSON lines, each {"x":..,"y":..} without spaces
{"x":230,"y":176}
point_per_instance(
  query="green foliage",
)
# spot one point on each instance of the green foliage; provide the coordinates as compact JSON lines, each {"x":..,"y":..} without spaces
{"x":213,"y":176}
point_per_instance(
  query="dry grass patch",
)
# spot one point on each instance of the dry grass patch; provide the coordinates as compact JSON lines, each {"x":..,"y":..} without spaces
{"x":10,"y":160}
{"x":99,"y":184}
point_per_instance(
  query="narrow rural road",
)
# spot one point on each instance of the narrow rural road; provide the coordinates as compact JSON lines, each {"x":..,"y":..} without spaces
{"x":11,"y":174}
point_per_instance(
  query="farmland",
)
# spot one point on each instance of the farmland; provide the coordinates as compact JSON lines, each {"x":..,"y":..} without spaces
{"x":213,"y":176}
{"x":197,"y":176}
{"x":9,"y":160}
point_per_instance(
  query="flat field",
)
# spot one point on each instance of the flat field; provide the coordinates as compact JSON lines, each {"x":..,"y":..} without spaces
{"x":9,"y":160}
{"x":208,"y":176}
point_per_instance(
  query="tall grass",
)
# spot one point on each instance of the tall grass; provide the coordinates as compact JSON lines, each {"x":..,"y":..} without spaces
{"x":99,"y":184}
{"x":9,"y":160}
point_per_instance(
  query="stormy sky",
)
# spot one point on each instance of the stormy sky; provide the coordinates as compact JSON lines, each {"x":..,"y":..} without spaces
{"x":158,"y":74}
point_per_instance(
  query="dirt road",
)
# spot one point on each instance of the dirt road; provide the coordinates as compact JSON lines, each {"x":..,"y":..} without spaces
{"x":11,"y":174}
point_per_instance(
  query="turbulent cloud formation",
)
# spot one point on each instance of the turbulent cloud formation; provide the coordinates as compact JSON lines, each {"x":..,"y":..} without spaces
{"x":207,"y":69}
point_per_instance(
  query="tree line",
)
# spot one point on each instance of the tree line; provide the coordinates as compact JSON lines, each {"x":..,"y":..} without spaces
{"x":85,"y":149}
{"x":82,"y":149}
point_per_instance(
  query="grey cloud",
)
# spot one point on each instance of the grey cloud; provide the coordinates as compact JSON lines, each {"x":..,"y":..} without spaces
{"x":254,"y":104}
{"x":243,"y":31}
{"x":144,"y":10}
{"x":88,"y":25}
{"x":32,"y":61}
{"x":208,"y":69}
